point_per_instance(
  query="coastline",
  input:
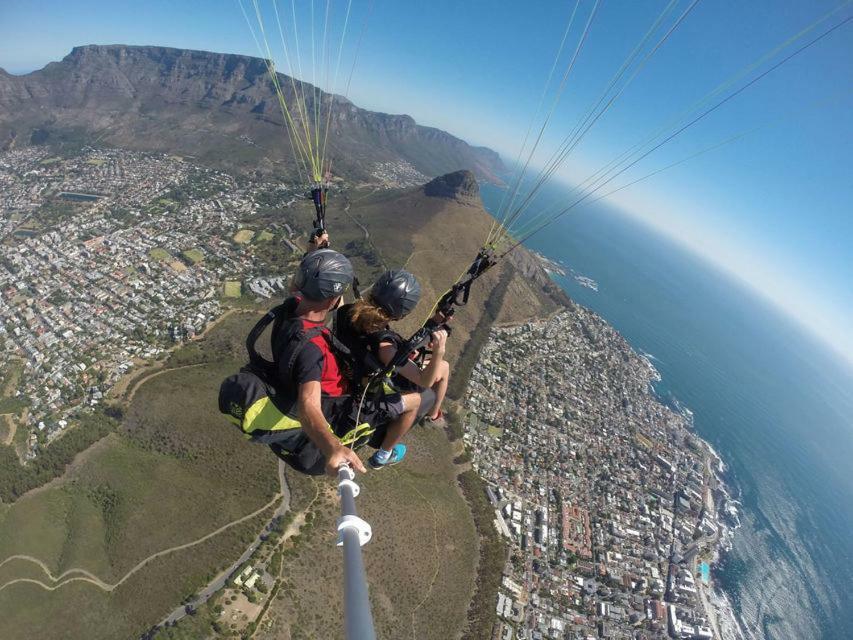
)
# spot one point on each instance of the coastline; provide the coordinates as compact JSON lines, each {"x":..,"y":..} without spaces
{"x":697,"y":526}
{"x":718,"y":604}
{"x":780,"y":427}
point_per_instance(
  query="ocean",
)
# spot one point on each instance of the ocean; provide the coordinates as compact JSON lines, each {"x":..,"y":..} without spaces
{"x":775,"y":403}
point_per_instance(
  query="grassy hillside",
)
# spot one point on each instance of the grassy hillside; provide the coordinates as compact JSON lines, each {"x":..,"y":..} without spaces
{"x":171,"y":474}
{"x":420,"y":563}
{"x":436,"y":238}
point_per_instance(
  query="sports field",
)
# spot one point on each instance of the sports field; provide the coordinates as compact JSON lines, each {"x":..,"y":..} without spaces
{"x":160,"y":254}
{"x":243,"y":236}
{"x":194,"y":256}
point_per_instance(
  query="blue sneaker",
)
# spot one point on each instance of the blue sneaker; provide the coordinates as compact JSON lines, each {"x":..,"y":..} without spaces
{"x":397,"y":455}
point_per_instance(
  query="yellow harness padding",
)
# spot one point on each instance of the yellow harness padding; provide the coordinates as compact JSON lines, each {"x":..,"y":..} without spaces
{"x":361,"y":431}
{"x":264,"y":415}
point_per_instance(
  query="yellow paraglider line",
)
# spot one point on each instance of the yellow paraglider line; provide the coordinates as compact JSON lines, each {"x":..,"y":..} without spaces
{"x":299,"y":94}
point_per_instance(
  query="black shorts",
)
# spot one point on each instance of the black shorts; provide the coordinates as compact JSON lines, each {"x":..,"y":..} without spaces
{"x":297,"y":450}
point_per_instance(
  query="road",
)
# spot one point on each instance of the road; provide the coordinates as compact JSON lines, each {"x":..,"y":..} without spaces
{"x":86,"y":576}
{"x":219,"y":581}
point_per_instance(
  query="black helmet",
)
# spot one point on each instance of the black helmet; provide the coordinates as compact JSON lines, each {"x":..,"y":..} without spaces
{"x":323,"y":274}
{"x":397,"y":292}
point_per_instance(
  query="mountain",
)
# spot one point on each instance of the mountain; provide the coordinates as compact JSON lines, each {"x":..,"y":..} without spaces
{"x":217,"y":107}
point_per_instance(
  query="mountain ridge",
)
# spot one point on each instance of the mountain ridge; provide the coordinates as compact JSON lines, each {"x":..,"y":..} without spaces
{"x":219,"y":107}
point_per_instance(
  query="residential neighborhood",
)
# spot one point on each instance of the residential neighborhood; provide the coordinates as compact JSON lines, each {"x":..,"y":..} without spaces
{"x":604,"y":495}
{"x":107,"y":260}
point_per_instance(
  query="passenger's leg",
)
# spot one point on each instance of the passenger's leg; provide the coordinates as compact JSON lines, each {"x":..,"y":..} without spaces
{"x":440,"y":388}
{"x":401,"y":425}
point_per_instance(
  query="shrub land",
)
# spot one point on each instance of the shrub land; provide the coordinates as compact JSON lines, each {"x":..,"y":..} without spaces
{"x":420,"y":563}
{"x":172,"y":472}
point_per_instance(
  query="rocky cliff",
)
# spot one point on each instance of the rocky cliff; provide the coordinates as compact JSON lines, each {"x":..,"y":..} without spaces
{"x":219,"y":107}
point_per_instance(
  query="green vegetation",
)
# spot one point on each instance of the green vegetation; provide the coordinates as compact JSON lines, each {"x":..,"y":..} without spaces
{"x":172,"y":472}
{"x":203,"y":622}
{"x":232,"y":289}
{"x":455,"y":421}
{"x":10,"y":377}
{"x":193,"y":256}
{"x":13,"y":405}
{"x":420,"y":561}
{"x":264,"y":236}
{"x":160,"y":254}
{"x":366,"y":251}
{"x":58,"y":298}
{"x":51,"y":213}
{"x":15,"y":480}
{"x":493,"y":554}
{"x":66,"y":142}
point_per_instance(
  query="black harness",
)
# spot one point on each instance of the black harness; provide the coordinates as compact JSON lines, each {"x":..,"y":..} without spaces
{"x":287,"y":339}
{"x":362,"y":349}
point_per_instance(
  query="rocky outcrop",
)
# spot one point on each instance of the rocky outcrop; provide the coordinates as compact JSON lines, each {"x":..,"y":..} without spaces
{"x":460,"y":186}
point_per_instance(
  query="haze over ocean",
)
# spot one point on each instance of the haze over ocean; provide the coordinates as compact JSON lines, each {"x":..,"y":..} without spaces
{"x":775,"y":404}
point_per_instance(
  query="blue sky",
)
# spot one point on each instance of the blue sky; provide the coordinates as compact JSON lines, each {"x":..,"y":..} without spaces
{"x":775,"y":207}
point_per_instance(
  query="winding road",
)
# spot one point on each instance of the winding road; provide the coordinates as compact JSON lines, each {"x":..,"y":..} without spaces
{"x":219,"y":581}
{"x":86,"y":576}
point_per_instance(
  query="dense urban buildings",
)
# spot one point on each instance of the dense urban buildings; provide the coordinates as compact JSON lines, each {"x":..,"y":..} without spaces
{"x":107,"y":259}
{"x":605,"y":496}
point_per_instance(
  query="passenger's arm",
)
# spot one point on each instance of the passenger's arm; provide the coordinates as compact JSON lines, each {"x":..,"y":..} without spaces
{"x":317,"y":429}
{"x":424,"y":377}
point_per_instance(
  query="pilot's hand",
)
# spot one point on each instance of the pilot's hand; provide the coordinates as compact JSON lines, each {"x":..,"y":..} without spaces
{"x":343,"y":455}
{"x":320,"y":241}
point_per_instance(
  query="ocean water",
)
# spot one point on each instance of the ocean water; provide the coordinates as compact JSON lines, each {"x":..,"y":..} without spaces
{"x":774,"y":403}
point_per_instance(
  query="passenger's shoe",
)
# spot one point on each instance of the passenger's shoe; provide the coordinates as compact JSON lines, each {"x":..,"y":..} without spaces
{"x":397,"y":455}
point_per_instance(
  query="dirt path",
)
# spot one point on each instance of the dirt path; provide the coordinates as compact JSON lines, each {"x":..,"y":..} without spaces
{"x":154,"y":374}
{"x":85,"y":576}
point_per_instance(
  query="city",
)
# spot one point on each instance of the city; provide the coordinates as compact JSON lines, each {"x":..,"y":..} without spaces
{"x":109,"y":259}
{"x":606,"y":498}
